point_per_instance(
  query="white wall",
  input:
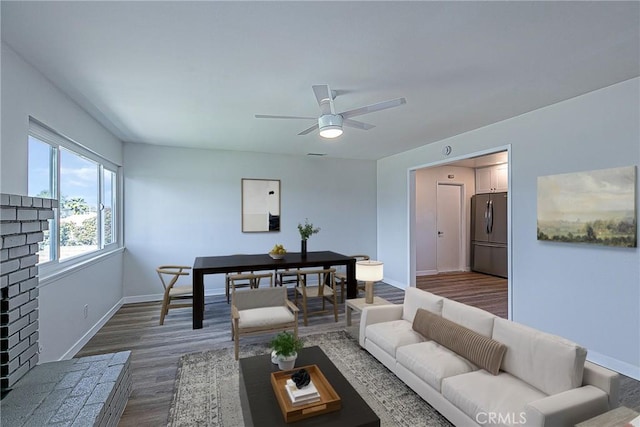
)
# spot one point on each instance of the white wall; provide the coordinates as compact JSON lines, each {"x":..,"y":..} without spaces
{"x":184,"y":203}
{"x":427,"y":180}
{"x":589,"y":294}
{"x":25,"y":92}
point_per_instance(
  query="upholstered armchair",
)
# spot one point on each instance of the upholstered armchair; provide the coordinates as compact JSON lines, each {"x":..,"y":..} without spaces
{"x":259,"y":311}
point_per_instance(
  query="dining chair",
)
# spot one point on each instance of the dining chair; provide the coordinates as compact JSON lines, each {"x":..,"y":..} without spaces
{"x":250,"y":280}
{"x":238,"y":282}
{"x":341,"y":276}
{"x":169,"y":275}
{"x":261,"y":310}
{"x":324,"y":289}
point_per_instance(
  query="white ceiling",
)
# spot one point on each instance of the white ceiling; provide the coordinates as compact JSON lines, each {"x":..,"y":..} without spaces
{"x":193,"y":74}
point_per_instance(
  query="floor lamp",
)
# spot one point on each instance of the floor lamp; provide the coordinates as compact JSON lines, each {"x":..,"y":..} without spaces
{"x":369,"y":272}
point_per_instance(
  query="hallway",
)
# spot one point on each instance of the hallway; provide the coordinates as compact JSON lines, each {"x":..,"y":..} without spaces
{"x":479,"y":290}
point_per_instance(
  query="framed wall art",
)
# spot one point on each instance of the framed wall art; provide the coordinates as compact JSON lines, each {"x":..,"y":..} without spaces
{"x":597,"y":207}
{"x":260,"y":205}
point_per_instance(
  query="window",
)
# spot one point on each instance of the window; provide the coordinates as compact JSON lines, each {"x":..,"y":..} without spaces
{"x":85,"y":186}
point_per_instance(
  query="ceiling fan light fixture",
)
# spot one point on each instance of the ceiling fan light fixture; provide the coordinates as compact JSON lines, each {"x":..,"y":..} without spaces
{"x":330,"y":125}
{"x":331,"y":132}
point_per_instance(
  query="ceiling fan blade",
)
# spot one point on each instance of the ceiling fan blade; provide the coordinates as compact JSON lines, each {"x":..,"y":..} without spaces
{"x":357,"y":124}
{"x":373,"y":107}
{"x":309,"y":130}
{"x":322,"y":92}
{"x":267,"y":116}
{"x":324,"y":96}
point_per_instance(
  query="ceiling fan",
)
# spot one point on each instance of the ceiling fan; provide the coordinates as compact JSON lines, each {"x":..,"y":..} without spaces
{"x":330,"y":123}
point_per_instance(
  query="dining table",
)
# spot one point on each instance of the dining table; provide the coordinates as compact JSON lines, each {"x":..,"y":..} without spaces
{"x":259,"y":262}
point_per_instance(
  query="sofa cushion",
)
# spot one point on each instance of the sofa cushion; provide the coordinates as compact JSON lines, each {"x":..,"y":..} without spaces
{"x":480,"y":394}
{"x":548,"y":362}
{"x":391,"y":335}
{"x":432,"y":362}
{"x":469,"y":344}
{"x":415,"y":298}
{"x":470,"y":317}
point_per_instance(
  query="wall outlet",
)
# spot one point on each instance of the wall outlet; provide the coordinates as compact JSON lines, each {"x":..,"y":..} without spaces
{"x":86,"y":311}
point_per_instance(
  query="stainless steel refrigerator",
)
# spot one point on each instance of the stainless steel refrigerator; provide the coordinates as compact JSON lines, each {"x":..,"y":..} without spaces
{"x":489,"y":233}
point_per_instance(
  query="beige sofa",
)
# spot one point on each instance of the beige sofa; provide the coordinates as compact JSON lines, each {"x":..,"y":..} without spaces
{"x":543,"y":379}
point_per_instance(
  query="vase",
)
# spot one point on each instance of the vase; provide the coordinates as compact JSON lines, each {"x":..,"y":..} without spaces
{"x":303,"y":248}
{"x":287,"y":363}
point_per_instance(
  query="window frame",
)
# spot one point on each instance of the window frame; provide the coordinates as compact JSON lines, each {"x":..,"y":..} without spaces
{"x":56,"y":141}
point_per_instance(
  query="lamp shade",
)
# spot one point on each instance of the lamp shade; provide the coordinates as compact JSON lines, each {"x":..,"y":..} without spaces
{"x":369,"y":271}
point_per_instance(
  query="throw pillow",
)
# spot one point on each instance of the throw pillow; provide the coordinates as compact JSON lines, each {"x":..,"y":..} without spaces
{"x":482,"y":351}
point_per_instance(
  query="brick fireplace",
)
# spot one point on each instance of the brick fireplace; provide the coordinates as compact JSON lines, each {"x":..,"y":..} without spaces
{"x":23,"y":221}
{"x":86,"y":391}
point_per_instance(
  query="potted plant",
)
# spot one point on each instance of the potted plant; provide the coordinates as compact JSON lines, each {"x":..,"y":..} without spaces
{"x":285,"y":347}
{"x":306,"y":231}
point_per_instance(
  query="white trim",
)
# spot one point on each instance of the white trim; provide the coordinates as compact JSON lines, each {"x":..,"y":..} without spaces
{"x":91,"y":332}
{"x":57,"y":139}
{"x":624,"y":368}
{"x":48,"y":277}
{"x":426,"y":272}
{"x":411,"y":220}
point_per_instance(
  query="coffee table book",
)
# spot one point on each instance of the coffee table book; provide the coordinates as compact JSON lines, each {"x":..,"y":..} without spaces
{"x":329,"y":400}
{"x":303,"y":395}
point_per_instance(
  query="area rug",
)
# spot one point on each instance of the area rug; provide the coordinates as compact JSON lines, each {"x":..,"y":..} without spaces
{"x":207,"y":386}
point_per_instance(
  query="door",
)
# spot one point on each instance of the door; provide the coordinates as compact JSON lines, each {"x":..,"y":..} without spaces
{"x":449,"y":227}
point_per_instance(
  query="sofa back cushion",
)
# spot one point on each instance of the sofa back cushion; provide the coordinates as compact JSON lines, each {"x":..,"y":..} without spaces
{"x":478,"y":349}
{"x":548,"y":362}
{"x":470,"y":317}
{"x":415,"y":298}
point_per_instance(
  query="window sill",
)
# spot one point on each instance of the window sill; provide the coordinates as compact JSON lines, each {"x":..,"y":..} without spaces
{"x":55,"y":274}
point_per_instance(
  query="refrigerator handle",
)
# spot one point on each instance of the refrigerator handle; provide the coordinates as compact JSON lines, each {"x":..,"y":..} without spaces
{"x":486,"y":218}
{"x":490,"y":222}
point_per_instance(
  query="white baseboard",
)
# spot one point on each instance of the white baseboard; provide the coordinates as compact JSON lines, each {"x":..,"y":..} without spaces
{"x":426,"y":272}
{"x":104,"y":319}
{"x":614,"y":364}
{"x":142,"y":298}
{"x":91,"y":332}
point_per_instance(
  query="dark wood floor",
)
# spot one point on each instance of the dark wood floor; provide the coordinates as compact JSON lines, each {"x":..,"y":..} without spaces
{"x":156,"y":349}
{"x":479,"y":290}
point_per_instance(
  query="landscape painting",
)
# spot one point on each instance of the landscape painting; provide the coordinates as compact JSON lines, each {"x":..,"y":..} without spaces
{"x":597,"y":207}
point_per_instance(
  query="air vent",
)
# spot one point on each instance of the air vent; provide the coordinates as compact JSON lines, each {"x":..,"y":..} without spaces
{"x":317,"y":154}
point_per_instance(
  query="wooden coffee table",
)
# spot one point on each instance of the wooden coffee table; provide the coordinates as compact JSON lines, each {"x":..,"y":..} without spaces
{"x":260,"y":407}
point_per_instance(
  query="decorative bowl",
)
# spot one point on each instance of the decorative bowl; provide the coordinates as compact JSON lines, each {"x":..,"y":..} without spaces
{"x":276,"y":256}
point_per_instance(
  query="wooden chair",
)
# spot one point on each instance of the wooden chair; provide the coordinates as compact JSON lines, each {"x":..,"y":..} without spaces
{"x":261,"y":310}
{"x":238,"y":282}
{"x":250,"y":280}
{"x":323,"y":290}
{"x":341,"y":276}
{"x":169,"y":275}
{"x":284,"y":277}
{"x":287,"y":276}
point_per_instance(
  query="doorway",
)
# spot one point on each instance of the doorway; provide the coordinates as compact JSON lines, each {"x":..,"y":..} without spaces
{"x":427,"y":257}
{"x":449,"y":218}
